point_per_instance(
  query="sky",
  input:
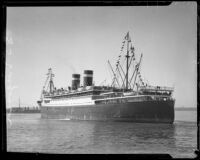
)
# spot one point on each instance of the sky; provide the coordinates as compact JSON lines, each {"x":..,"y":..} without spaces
{"x":73,"y":39}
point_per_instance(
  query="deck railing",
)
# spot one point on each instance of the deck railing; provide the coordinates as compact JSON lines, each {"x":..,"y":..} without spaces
{"x":158,"y":88}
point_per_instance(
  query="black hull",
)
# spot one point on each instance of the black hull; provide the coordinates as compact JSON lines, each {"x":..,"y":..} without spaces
{"x":141,"y":112}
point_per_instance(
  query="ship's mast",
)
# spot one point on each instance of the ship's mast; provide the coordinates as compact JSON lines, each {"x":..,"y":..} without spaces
{"x":129,"y":57}
{"x":127,"y":60}
{"x":51,"y":85}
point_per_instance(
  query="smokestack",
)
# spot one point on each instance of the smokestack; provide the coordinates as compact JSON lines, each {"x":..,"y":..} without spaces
{"x":88,"y":78}
{"x":75,"y":81}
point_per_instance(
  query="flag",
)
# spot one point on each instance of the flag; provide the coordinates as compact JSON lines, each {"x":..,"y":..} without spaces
{"x":132,"y":48}
{"x":127,"y":36}
{"x":136,"y":66}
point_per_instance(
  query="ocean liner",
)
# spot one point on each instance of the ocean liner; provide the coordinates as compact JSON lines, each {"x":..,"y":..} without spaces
{"x":127,"y":98}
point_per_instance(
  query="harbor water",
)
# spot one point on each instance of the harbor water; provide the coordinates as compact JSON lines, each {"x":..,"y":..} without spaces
{"x":30,"y":133}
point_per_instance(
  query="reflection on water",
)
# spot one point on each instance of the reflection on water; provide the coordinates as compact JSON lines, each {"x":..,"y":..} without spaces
{"x":32,"y":134}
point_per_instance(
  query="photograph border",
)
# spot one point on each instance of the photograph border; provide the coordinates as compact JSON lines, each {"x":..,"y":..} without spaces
{"x":48,"y":3}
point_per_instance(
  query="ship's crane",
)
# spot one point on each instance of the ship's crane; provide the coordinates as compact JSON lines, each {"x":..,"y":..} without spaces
{"x":120,"y":74}
{"x":114,"y":78}
{"x":123,"y":80}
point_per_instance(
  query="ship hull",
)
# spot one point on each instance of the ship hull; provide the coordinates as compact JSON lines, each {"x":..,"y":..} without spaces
{"x":141,"y":112}
{"x":22,"y":110}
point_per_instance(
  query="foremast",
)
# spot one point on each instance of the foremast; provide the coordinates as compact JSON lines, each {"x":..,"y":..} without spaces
{"x":48,"y":85}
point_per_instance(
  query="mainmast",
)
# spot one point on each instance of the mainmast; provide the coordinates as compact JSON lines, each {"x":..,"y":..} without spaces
{"x":127,"y":60}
